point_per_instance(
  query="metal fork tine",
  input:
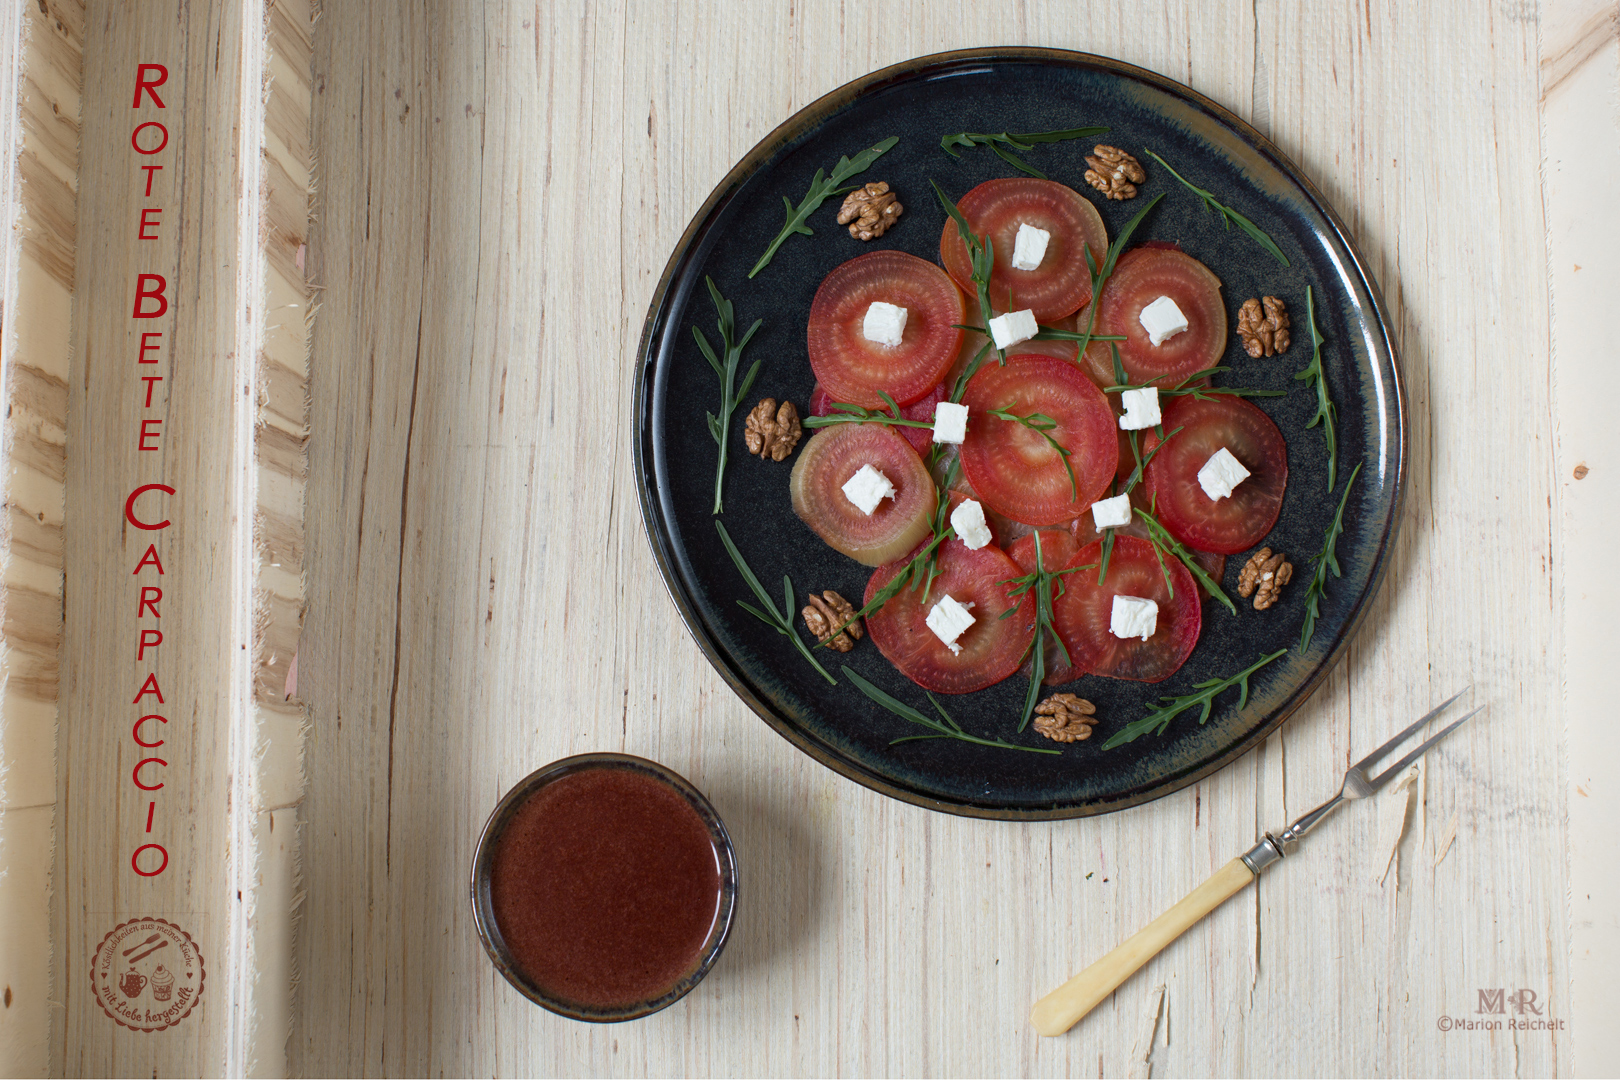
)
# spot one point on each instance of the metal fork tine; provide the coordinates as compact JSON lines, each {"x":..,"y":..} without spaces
{"x":1384,"y":777}
{"x":1409,"y":732}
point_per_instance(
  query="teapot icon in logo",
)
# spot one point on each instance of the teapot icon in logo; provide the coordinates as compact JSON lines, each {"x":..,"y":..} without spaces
{"x":132,"y":983}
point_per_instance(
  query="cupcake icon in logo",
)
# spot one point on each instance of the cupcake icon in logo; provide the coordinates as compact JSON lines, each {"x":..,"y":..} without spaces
{"x":162,"y":984}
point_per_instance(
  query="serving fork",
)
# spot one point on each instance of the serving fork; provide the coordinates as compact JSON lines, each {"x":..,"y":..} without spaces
{"x":1062,"y":1008}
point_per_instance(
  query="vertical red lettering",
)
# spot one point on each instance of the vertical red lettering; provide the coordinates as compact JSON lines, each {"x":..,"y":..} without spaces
{"x":150,"y":212}
{"x":150,"y":287}
{"x":135,"y":860}
{"x":149,"y":638}
{"x":149,"y":380}
{"x":149,"y":559}
{"x":148,"y":77}
{"x":136,"y":730}
{"x":150,"y":434}
{"x":150,"y":686}
{"x":145,"y":348}
{"x":149,"y":170}
{"x":129,"y":507}
{"x":157,"y":594}
{"x":163,"y":140}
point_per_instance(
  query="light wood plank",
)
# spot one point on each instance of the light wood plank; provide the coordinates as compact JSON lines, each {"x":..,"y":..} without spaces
{"x":207,"y":250}
{"x":39,"y":102}
{"x":498,"y":195}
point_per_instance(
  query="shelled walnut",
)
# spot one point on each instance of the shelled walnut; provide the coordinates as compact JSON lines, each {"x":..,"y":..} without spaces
{"x":772,"y":432}
{"x":1114,"y":172}
{"x":1265,"y":336}
{"x":1263,"y":575}
{"x":869,"y":210}
{"x":826,"y":613}
{"x":1065,"y":718}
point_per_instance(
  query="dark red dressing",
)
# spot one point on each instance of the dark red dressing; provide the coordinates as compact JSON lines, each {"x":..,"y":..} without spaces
{"x":605,"y":886}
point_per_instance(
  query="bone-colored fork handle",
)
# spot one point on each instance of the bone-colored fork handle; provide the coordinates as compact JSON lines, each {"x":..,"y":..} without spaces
{"x":1060,"y":1010}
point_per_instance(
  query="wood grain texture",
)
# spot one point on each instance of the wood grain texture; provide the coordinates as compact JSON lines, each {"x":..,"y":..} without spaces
{"x":499,"y":190}
{"x":206,"y":249}
{"x":1580,"y":76}
{"x":41,"y":47}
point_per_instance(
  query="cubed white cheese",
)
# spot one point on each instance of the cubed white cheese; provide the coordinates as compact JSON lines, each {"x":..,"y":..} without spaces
{"x":1162,"y":319}
{"x":1030,"y":247}
{"x":1133,"y":617}
{"x":947,"y":620}
{"x":1111,"y":513}
{"x":1141,"y":409}
{"x":867,"y":488}
{"x":1221,"y":473}
{"x":968,"y":521}
{"x":1015,"y":326}
{"x":950,"y":422}
{"x":885,"y":324}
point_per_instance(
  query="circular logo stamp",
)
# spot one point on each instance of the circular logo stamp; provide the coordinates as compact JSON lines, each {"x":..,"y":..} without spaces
{"x":147,"y":974}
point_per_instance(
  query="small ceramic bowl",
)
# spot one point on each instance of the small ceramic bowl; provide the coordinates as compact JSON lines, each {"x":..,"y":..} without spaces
{"x":484,"y":910}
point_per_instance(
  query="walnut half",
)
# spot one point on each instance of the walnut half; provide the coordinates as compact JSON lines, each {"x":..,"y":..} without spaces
{"x":1065,"y":718}
{"x":869,"y":210}
{"x":1266,"y":336}
{"x":1114,"y":172}
{"x":826,"y":613}
{"x":772,"y":432}
{"x":1263,"y":575}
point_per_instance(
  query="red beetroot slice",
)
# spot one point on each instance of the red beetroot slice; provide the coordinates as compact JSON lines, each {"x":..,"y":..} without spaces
{"x":1061,"y":285}
{"x":854,"y":369}
{"x":1015,"y":470}
{"x":992,"y":647}
{"x":821,"y":404}
{"x":1083,"y":614}
{"x":1140,"y":277}
{"x":1242,"y":519}
{"x":1058,"y":547}
{"x":835,"y":454}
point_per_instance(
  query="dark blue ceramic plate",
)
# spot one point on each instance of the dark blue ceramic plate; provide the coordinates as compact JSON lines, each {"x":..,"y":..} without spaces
{"x":997,"y":90}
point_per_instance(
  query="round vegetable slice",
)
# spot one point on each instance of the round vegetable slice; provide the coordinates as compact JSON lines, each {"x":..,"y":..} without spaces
{"x":1083,"y":614}
{"x":992,"y":648}
{"x":1141,"y":276}
{"x":853,"y":369}
{"x":1061,"y":284}
{"x":898,"y":523}
{"x":1014,"y":466}
{"x":1239,"y":521}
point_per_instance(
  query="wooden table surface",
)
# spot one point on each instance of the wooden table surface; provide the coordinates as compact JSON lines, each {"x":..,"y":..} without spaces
{"x":498,"y":192}
{"x":497,"y":189}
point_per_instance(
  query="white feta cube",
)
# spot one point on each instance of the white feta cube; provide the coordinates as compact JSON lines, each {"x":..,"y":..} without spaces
{"x":1141,"y":409}
{"x":968,"y":521}
{"x":1030,"y":247}
{"x":950,"y":422}
{"x":1111,"y":513}
{"x":1162,"y":319}
{"x":1015,"y":326}
{"x":867,"y":488}
{"x":1133,"y":617}
{"x":1221,"y":473}
{"x":885,"y":324}
{"x":948,"y":619}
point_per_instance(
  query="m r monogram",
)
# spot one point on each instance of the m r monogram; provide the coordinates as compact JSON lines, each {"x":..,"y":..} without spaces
{"x":1526,"y":999}
{"x":1490,"y":1001}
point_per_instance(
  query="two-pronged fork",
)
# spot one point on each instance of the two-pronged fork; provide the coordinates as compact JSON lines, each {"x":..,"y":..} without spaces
{"x":1062,"y":1008}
